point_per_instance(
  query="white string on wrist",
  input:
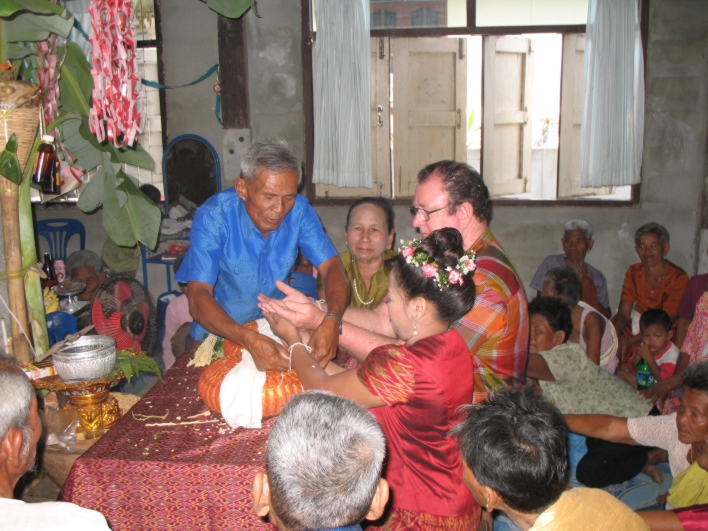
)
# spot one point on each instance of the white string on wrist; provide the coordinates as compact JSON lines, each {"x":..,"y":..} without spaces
{"x":290,"y":350}
{"x":319,"y":304}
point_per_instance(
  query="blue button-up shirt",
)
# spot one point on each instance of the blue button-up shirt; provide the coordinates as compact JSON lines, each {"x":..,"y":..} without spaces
{"x":228,"y":252}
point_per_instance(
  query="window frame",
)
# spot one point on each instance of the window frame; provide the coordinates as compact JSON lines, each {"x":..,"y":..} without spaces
{"x":308,"y":39}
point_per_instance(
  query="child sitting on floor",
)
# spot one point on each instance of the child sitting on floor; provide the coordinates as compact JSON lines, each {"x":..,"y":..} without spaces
{"x":656,"y":347}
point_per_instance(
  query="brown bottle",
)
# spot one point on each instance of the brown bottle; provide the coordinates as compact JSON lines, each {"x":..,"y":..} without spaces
{"x":48,"y":268}
{"x":53,"y":186}
{"x":46,"y":156}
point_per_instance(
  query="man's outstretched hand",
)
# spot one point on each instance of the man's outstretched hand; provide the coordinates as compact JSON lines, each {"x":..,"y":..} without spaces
{"x":296,"y":307}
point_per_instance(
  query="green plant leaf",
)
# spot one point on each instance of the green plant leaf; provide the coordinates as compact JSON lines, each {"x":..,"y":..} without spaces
{"x":9,"y":165}
{"x":75,"y":82}
{"x":63,"y":117}
{"x":28,"y":27}
{"x":135,"y":156}
{"x":85,"y":155}
{"x":42,"y":7}
{"x":232,"y":8}
{"x":115,"y":219}
{"x":92,"y":195}
{"x":15,"y":51}
{"x":143,"y":215}
{"x":127,"y":368}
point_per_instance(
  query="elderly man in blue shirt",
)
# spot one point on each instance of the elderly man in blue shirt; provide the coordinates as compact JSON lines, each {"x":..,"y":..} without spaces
{"x":247,"y":237}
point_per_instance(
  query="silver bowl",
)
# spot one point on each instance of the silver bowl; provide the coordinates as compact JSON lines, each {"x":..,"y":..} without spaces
{"x":87,"y":358}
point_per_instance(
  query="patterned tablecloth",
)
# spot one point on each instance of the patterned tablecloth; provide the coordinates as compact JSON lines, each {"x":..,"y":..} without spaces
{"x":143,"y":475}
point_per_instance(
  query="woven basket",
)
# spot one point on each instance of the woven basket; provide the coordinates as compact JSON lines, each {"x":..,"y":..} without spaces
{"x":279,"y":387}
{"x":23,"y":123}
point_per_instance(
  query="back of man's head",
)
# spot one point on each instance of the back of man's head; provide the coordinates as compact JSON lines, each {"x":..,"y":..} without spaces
{"x":16,"y":394}
{"x":323,"y":463}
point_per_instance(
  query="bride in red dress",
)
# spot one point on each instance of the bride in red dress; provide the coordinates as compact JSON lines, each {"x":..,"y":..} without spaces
{"x":414,"y":388}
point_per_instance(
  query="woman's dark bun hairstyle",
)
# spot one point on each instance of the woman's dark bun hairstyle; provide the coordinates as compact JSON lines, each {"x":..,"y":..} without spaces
{"x":444,"y":246}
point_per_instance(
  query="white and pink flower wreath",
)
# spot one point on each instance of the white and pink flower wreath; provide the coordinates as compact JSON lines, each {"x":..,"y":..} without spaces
{"x":443,"y":277}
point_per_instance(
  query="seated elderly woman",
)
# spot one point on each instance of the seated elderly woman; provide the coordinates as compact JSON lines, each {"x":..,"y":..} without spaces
{"x":577,"y":242}
{"x":564,"y":372}
{"x":514,"y":458}
{"x":653,"y":283}
{"x":415,"y":386}
{"x":323,"y":466}
{"x":691,"y":518}
{"x":591,"y":330}
{"x":86,"y":266}
{"x":368,"y":234}
{"x":574,"y":384}
{"x":681,"y":435}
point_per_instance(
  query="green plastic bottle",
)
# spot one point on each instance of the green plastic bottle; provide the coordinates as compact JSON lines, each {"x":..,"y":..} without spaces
{"x":645,"y":379}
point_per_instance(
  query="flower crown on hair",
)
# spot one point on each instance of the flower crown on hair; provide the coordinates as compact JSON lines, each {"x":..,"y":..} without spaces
{"x":443,"y":277}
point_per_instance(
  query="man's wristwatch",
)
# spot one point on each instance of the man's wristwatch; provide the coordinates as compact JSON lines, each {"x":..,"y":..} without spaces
{"x":336,"y":317}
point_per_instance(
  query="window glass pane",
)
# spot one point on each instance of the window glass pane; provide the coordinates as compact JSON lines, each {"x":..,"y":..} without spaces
{"x":531,"y":12}
{"x":144,"y":26}
{"x":418,"y":13}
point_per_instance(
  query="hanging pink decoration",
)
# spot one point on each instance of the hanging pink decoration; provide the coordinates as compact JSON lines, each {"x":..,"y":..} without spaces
{"x":114,"y":114}
{"x":48,"y":75}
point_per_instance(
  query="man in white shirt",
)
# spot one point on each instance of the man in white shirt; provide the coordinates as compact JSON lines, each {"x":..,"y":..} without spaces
{"x":20,"y":429}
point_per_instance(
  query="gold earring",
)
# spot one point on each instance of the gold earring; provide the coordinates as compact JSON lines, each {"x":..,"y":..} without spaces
{"x":415,"y":328}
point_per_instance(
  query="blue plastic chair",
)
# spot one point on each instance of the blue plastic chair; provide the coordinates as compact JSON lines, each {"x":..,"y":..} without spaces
{"x":58,"y":232}
{"x":60,"y":325}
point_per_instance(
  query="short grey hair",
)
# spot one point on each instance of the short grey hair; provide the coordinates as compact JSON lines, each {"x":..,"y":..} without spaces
{"x":323,"y":462}
{"x":564,"y":283}
{"x":653,"y":228}
{"x":79,"y":259}
{"x":578,"y":224}
{"x":16,"y":394}
{"x":696,"y":376}
{"x":271,"y":153}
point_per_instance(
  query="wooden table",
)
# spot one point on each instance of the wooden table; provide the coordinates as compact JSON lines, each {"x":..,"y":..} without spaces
{"x":146,"y":473}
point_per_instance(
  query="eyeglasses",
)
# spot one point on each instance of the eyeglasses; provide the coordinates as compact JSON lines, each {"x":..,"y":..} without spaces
{"x":425,"y":214}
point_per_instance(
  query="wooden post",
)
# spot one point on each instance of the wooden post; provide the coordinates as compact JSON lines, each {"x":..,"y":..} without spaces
{"x":10,"y":200}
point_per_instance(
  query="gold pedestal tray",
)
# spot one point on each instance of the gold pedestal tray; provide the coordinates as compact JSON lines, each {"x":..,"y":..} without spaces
{"x":97,"y":410}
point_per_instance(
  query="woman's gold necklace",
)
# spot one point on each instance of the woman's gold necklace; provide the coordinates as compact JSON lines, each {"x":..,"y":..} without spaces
{"x":356,"y":294}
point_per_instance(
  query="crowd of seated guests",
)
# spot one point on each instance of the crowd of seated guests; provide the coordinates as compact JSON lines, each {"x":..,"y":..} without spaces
{"x":511,"y":452}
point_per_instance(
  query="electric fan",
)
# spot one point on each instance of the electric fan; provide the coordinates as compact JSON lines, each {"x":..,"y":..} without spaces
{"x":123,"y":309}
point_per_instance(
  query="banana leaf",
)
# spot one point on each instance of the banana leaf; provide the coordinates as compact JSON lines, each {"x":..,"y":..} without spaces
{"x":75,"y":83}
{"x":9,"y":165}
{"x":15,"y":51}
{"x":33,"y":287}
{"x":28,"y":27}
{"x":42,"y":7}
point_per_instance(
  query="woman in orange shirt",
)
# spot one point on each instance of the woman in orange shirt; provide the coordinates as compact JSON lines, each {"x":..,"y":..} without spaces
{"x":654,"y":283}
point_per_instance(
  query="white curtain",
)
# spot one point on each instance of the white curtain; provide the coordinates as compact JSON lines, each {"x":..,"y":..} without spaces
{"x":342,"y":94}
{"x":613,"y":116}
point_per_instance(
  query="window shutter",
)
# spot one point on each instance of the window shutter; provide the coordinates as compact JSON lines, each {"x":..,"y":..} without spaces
{"x":506,"y":130}
{"x":429,"y":106}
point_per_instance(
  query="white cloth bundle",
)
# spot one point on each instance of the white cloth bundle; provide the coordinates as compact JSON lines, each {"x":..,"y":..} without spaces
{"x":241,"y":390}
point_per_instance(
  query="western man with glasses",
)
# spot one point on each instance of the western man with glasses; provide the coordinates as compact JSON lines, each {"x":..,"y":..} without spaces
{"x":496,"y":330}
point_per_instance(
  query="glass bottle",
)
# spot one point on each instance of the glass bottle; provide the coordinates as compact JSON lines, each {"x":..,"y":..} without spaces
{"x":48,"y":268}
{"x":645,"y":379}
{"x":46,"y":156}
{"x":53,"y":185}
